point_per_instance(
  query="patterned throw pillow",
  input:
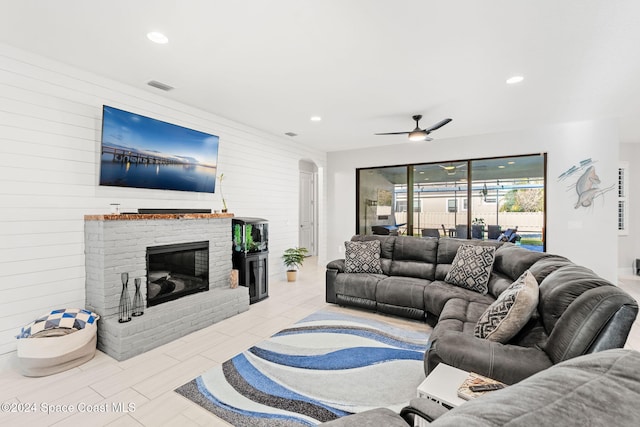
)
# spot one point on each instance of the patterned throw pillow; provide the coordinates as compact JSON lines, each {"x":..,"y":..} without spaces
{"x":68,"y":318}
{"x":507,"y":315}
{"x":362,"y":257}
{"x":471,"y":267}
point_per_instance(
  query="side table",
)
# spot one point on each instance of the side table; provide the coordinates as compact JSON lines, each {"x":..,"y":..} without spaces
{"x":441,"y":386}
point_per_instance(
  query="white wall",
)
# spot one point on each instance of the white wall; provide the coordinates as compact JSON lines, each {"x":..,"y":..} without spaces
{"x":50,"y":121}
{"x":587,"y":236}
{"x":629,"y":244}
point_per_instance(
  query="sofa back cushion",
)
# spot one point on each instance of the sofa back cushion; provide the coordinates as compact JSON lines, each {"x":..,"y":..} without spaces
{"x":561,"y":288}
{"x":414,"y":257}
{"x":512,"y":260}
{"x":387,"y":243}
{"x":579,"y":310}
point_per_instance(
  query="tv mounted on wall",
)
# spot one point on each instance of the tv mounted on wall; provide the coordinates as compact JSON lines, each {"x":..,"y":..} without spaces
{"x":142,"y":152}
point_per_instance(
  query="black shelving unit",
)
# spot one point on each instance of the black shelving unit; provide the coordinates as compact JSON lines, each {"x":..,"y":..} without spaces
{"x":251,"y":255}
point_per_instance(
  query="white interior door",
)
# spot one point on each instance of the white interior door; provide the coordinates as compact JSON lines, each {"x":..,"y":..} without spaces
{"x":307,"y":212}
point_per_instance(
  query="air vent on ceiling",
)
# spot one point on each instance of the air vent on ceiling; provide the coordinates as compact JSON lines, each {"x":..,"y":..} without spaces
{"x":160,"y":86}
{"x":291,"y":134}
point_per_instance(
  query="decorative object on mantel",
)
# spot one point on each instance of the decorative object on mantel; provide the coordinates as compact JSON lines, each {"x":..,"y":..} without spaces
{"x":233,"y":279}
{"x":224,"y":202}
{"x":138,"y":307}
{"x":293,"y":259}
{"x":124,"y":309}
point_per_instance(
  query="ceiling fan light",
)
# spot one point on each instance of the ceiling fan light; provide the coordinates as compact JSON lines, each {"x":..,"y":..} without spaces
{"x":157,"y":37}
{"x":514,"y":80}
{"x":417,"y":135}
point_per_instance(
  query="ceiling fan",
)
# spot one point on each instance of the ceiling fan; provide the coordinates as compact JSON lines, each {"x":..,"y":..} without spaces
{"x":451,"y":168}
{"x":419,"y":134}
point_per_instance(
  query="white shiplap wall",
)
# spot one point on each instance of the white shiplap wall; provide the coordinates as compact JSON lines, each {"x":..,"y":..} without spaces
{"x":50,"y":121}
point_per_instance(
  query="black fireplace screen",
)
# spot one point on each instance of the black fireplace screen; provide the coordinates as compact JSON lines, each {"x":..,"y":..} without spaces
{"x":177,"y":270}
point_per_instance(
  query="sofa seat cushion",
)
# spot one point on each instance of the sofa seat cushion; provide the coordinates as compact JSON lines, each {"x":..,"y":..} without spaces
{"x":459,"y":315}
{"x":402,"y":291}
{"x":508,"y":314}
{"x":438,"y":293}
{"x":361,"y":285}
{"x":471,"y":267}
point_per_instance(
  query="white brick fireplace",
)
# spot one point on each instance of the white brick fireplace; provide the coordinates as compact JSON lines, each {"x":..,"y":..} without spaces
{"x":116,"y":244}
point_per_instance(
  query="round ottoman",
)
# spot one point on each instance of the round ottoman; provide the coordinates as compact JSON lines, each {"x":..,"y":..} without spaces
{"x":57,"y":341}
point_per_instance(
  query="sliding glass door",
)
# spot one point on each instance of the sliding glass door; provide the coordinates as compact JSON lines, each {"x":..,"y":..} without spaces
{"x":508,"y":195}
{"x":468,"y":199}
{"x":382,"y":202}
{"x":440,"y":193}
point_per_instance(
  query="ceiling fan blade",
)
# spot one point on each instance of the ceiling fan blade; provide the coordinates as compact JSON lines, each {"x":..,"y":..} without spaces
{"x":393,"y":133}
{"x":437,"y":125}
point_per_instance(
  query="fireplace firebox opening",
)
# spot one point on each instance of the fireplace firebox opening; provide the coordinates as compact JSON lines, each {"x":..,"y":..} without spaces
{"x":176,"y":270}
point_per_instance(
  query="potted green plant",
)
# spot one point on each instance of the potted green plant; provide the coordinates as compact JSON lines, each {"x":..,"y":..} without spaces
{"x":293,"y":259}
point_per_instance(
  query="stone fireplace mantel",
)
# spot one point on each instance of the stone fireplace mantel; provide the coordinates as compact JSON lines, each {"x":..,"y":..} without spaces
{"x":144,"y":217}
{"x":115,"y":244}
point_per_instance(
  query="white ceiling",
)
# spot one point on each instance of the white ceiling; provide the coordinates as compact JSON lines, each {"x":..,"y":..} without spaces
{"x":365,"y":66}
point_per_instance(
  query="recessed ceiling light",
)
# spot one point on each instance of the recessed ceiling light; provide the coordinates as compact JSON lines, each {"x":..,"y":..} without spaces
{"x":157,"y":37}
{"x":511,"y":163}
{"x":514,"y":79}
{"x":316,"y":118}
{"x":501,"y":167}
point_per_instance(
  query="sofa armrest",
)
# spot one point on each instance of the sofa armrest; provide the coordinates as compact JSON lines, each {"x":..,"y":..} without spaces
{"x":425,"y":408}
{"x":337,"y":264}
{"x":333,"y":268}
{"x":503,"y":362}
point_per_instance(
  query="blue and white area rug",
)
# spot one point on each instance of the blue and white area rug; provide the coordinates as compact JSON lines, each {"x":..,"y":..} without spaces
{"x":333,"y":363}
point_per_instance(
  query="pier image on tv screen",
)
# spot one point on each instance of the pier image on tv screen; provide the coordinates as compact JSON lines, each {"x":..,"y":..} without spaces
{"x":142,"y":152}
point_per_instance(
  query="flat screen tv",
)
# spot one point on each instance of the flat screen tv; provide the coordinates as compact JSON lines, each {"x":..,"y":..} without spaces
{"x":142,"y":152}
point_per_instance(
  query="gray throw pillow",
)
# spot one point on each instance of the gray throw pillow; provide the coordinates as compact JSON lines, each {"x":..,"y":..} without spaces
{"x":362,"y":257}
{"x":471,"y":267}
{"x":508,"y":314}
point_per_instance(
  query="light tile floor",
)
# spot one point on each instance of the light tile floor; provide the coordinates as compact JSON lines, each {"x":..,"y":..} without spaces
{"x":146,"y":382}
{"x":101,"y":391}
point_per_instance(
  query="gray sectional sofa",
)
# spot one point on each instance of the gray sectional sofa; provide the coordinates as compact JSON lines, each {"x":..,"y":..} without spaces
{"x":600,"y":389}
{"x":578,"y":312}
